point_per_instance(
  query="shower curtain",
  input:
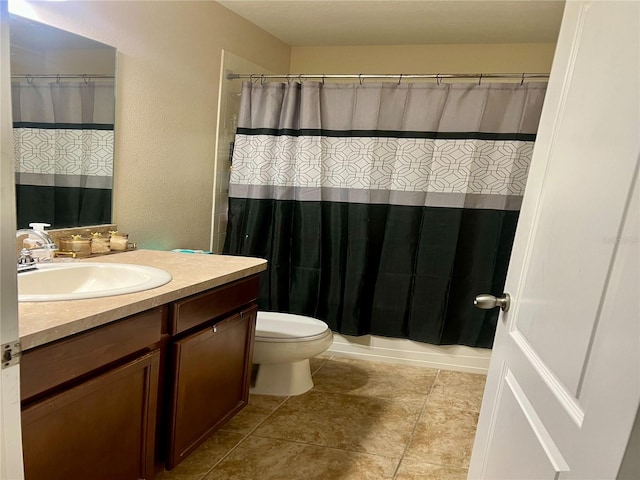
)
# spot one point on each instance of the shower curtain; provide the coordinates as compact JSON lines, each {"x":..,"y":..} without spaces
{"x":63,"y":151}
{"x":382,"y":208}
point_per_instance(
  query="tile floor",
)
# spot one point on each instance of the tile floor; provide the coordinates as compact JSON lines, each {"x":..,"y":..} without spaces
{"x":362,"y":420}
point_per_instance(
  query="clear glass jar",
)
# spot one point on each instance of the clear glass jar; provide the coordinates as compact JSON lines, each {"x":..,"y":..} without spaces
{"x":76,"y":244}
{"x":119,"y":241}
{"x":99,"y":243}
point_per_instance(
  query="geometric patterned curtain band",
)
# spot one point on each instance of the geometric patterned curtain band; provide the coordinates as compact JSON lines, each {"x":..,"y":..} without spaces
{"x":63,"y":133}
{"x":45,"y":154}
{"x":462,"y":172}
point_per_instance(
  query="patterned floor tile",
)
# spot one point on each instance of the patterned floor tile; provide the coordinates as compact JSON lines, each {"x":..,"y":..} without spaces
{"x":270,"y":459}
{"x":318,"y":362}
{"x":177,"y":476}
{"x":458,"y":390}
{"x":259,"y":408}
{"x":444,"y":436}
{"x":348,"y":422}
{"x":204,"y":458}
{"x":411,"y":469}
{"x":374,"y":379}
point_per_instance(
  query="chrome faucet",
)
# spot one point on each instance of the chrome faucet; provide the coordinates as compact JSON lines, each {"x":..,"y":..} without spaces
{"x":29,"y":257}
{"x":26,"y":261}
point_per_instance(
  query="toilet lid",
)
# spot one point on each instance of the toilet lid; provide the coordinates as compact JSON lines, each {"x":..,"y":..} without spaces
{"x":282,"y":327}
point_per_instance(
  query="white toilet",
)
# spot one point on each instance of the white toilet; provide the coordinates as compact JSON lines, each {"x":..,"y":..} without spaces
{"x":284,"y":343}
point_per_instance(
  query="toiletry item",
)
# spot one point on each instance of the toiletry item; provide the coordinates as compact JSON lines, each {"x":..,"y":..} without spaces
{"x":77,"y":245}
{"x":65,"y":244}
{"x":40,"y":250}
{"x":34,"y":241}
{"x":99,"y":243}
{"x":119,"y":241}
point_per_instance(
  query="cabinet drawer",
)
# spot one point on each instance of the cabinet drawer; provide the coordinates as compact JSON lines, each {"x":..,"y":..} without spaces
{"x":46,"y":367}
{"x":203,"y":307}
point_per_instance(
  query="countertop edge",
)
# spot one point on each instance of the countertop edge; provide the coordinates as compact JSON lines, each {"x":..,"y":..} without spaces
{"x":133,"y":304}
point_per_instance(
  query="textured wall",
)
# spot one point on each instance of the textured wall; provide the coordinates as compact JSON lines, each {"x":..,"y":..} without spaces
{"x":471,"y":58}
{"x":168,"y":71}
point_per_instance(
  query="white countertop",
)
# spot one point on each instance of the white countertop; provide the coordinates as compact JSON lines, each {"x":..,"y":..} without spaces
{"x":44,"y":322}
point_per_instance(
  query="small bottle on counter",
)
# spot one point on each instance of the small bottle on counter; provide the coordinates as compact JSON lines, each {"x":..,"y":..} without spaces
{"x":99,"y":243}
{"x":119,"y":241}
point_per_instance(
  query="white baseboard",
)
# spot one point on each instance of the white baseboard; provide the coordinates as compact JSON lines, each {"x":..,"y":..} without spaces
{"x":408,"y":352}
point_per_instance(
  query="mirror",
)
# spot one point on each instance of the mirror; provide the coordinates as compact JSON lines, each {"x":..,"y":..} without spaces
{"x":63,"y":103}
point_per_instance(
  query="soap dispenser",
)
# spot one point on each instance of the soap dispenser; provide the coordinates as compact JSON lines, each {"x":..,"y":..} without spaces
{"x":39,"y":243}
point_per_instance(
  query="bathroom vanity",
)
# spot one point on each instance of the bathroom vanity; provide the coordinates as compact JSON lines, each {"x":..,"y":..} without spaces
{"x":120,"y":387}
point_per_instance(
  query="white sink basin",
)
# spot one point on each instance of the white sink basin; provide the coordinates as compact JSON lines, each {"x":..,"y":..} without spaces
{"x":71,"y":281}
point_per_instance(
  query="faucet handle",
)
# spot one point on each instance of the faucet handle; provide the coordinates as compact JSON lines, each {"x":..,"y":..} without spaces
{"x":25,"y":260}
{"x":39,"y":226}
{"x":25,"y":257}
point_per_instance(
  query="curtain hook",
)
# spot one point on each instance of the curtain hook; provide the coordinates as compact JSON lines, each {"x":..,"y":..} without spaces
{"x":29,"y":79}
{"x":262,"y":79}
{"x":480,"y":79}
{"x":438,"y":79}
{"x":58,"y":79}
{"x":86,"y":79}
{"x":251,"y":78}
{"x":522,"y":81}
{"x":399,"y":79}
{"x":323,"y":79}
{"x":360,"y":78}
{"x":289,"y":79}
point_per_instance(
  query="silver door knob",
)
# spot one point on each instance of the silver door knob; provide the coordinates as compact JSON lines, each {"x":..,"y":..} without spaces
{"x":487,"y":302}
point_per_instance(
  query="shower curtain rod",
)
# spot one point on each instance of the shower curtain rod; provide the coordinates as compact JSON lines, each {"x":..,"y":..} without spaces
{"x":62,"y":75}
{"x":397,"y":76}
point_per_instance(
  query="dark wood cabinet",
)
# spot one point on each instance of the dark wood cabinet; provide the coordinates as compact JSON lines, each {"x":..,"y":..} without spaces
{"x":126,"y":399}
{"x":90,"y":402}
{"x":102,"y":429}
{"x":211,"y":381}
{"x":211,"y":357}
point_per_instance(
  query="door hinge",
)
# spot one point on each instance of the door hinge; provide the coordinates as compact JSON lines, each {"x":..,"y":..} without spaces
{"x":11,"y":354}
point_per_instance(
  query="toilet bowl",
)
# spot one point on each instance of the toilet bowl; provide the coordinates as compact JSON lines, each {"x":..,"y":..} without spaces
{"x":284,"y":343}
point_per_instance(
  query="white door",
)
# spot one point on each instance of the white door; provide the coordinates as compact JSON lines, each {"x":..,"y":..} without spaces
{"x":564,"y":381}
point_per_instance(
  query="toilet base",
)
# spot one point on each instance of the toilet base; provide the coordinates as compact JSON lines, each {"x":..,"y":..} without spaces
{"x":282,"y":379}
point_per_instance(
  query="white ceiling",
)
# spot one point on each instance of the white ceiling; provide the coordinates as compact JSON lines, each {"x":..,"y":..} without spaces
{"x":403,"y":22}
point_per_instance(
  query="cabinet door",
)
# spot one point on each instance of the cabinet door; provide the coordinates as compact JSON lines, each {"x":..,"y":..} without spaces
{"x":102,"y":429}
{"x":211,"y":381}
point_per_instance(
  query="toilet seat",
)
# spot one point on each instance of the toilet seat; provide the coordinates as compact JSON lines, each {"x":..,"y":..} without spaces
{"x":285,"y":328}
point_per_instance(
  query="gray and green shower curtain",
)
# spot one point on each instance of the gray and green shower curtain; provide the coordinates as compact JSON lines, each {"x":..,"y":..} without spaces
{"x":383,"y":208}
{"x":63,"y":151}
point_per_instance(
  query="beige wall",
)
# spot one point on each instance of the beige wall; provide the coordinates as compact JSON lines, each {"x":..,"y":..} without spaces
{"x":499,"y":58}
{"x":168,"y":71}
{"x":83,"y":61}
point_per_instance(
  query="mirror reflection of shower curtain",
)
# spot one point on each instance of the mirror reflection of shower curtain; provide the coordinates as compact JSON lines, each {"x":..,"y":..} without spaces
{"x":63,"y":150}
{"x":382,"y":208}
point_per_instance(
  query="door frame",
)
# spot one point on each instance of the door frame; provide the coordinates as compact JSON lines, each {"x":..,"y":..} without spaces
{"x":11,"y":466}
